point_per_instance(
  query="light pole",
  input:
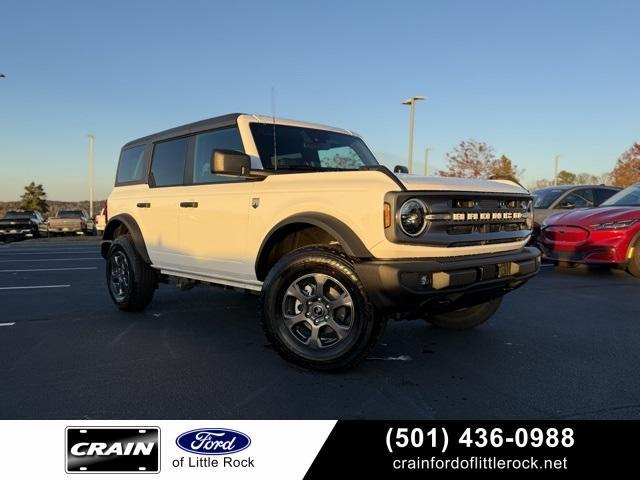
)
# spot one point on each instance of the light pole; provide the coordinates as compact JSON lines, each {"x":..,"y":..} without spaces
{"x":555,"y":176}
{"x":412,"y":103}
{"x":426,"y":161}
{"x":91,"y":142}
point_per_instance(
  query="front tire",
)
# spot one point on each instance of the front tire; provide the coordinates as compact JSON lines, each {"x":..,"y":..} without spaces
{"x":634,"y":261}
{"x":131,"y":281}
{"x":315,"y":311}
{"x":467,"y":317}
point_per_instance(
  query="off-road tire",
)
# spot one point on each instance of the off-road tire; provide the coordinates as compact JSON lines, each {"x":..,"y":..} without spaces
{"x":142,"y":279}
{"x":467,"y":317}
{"x":366,"y":324}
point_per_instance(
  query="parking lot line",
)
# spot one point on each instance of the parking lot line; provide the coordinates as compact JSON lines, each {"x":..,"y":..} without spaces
{"x":52,"y":259}
{"x":48,"y":269}
{"x":8,"y":324}
{"x":34,"y":286}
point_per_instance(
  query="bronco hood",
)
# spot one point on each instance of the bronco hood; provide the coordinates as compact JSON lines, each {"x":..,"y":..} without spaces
{"x":592,"y":216}
{"x":416,"y":182}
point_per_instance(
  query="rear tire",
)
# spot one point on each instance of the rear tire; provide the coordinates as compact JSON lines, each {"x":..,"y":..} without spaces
{"x":131,"y":282}
{"x":316,"y":312}
{"x":634,"y":262}
{"x":467,"y":317}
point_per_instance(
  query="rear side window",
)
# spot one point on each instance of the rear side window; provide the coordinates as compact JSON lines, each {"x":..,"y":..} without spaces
{"x":131,"y":166}
{"x":604,"y":194}
{"x":206,"y":143}
{"x":167,"y":165}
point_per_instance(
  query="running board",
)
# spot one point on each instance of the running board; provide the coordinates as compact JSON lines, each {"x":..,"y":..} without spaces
{"x":248,"y":285}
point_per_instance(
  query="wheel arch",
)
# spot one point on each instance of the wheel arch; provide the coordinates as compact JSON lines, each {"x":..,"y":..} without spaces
{"x":334,"y":228}
{"x":117,"y":224}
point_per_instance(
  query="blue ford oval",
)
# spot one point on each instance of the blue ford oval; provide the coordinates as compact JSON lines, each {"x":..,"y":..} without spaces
{"x":213,"y":441}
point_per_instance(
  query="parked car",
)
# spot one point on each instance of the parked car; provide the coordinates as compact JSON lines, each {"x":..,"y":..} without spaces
{"x":20,"y":224}
{"x":101,"y":221}
{"x":609,"y":234}
{"x":550,"y":200}
{"x":334,"y":242}
{"x":71,"y":222}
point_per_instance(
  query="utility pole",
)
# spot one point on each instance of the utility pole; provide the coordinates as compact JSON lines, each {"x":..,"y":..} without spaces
{"x":426,"y":161}
{"x":555,"y":176}
{"x":412,"y":103}
{"x":91,"y":143}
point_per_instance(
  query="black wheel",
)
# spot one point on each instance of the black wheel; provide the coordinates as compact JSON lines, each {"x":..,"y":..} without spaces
{"x":467,"y":317}
{"x":315,"y":311}
{"x":634,"y":262}
{"x":130,"y":280}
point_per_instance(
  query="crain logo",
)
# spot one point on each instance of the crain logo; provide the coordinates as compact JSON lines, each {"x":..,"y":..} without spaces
{"x":213,"y":441}
{"x":116,"y":450}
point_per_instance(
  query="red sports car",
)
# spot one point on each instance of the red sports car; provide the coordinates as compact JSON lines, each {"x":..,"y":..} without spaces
{"x":608,"y":234}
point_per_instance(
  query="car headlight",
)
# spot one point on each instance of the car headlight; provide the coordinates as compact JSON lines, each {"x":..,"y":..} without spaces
{"x":614,"y":225}
{"x":412,"y":217}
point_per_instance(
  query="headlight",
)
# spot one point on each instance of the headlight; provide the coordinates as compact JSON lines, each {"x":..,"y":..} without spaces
{"x":614,"y":225}
{"x":412,"y":213}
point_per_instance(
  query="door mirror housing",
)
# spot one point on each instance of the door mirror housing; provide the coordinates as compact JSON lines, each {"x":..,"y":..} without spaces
{"x":230,"y":162}
{"x":400,"y":169}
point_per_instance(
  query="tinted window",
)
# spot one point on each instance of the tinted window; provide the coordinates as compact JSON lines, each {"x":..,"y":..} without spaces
{"x":206,"y":143}
{"x":578,"y":199}
{"x":545,"y":197}
{"x":629,"y":197}
{"x":131,"y":167}
{"x":167,"y":166}
{"x":70,"y":214}
{"x":603,"y":194}
{"x":301,"y":148}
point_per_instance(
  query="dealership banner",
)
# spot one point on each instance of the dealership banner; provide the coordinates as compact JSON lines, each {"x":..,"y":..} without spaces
{"x":291,"y":449}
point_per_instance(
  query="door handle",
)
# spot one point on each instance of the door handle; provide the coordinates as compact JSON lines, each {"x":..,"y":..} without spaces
{"x":143,"y":205}
{"x":189,"y":204}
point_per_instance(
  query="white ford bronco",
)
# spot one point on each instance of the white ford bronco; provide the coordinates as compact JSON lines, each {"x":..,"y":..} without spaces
{"x":303,"y":213}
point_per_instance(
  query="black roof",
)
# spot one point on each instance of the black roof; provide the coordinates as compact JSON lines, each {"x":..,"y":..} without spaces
{"x":188,"y":129}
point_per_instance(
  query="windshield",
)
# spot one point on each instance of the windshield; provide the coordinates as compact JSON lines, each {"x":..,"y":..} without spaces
{"x":19,"y":215}
{"x":300,"y":148}
{"x":629,"y":197}
{"x":70,"y":214}
{"x":545,"y":197}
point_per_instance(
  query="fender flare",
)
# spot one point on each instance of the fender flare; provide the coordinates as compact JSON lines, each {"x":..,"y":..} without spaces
{"x":132,"y":226}
{"x":350,"y":242}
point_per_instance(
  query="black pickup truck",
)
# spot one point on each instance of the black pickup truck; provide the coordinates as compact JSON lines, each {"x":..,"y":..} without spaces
{"x":17,"y":225}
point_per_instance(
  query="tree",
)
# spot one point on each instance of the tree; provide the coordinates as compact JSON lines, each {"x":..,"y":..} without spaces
{"x":627,"y":169}
{"x":470,"y":159}
{"x":587,"y":179}
{"x":504,"y":167}
{"x":34,"y":198}
{"x":566,"y":178}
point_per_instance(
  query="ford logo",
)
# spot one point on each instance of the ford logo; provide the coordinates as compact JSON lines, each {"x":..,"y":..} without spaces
{"x":213,"y":441}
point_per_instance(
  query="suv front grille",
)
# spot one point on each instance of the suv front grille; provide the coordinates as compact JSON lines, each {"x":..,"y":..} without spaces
{"x":456,"y":220}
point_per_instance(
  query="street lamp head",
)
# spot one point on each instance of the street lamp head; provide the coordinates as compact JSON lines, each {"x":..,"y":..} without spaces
{"x":412,"y":100}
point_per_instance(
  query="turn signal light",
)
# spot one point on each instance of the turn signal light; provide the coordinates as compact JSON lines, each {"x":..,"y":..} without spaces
{"x":387,"y":215}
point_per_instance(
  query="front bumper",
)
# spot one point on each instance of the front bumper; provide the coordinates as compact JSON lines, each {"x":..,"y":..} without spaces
{"x":405,"y":285}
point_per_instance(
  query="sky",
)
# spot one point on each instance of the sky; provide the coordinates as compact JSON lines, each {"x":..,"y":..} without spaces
{"x":532,"y":79}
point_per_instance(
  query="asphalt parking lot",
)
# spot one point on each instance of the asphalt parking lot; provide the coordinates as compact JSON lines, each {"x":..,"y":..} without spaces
{"x":564,"y":346}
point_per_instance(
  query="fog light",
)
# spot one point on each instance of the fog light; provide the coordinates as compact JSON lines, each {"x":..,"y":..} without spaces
{"x":424,"y":280}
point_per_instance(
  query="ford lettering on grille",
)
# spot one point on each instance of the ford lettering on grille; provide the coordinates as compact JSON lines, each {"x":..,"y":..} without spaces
{"x":213,"y":441}
{"x":486,"y":216}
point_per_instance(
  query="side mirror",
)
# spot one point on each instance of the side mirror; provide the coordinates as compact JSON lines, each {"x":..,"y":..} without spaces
{"x":400,"y":169}
{"x":230,"y":162}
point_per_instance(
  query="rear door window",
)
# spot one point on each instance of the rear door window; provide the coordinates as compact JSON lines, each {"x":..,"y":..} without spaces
{"x":131,"y":166}
{"x":168,"y":162}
